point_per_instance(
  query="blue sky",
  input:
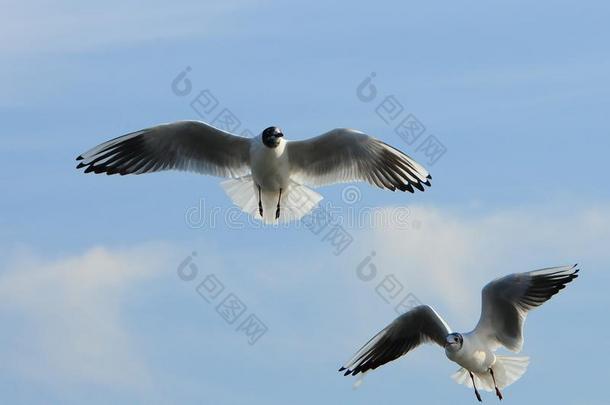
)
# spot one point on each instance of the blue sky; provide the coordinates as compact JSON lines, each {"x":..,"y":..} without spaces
{"x":91,"y":303}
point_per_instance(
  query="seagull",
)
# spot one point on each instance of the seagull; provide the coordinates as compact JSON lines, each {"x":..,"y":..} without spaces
{"x":506,"y":302}
{"x":266,"y":172}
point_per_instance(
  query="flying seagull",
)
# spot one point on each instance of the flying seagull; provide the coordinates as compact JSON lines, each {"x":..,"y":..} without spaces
{"x":506,"y":302}
{"x":268,"y":175}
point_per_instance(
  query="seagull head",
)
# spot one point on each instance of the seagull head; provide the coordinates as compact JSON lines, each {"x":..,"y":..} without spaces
{"x":271,"y":137}
{"x":454,"y":342}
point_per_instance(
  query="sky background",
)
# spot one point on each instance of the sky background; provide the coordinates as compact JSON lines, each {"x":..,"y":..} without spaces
{"x":92,"y":307}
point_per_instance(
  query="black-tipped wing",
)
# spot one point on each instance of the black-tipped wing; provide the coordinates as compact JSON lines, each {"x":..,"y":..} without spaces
{"x":507,"y":300}
{"x":183,"y":145}
{"x":344,"y":155}
{"x":419,"y":325}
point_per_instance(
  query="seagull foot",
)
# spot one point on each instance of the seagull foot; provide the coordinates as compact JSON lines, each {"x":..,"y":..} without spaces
{"x":474,"y":385}
{"x":499,"y":394}
{"x":277,"y":210}
{"x":260,"y":202}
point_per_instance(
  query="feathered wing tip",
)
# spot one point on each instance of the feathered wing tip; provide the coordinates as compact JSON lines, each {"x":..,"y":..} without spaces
{"x":507,"y":370}
{"x":297,"y":200}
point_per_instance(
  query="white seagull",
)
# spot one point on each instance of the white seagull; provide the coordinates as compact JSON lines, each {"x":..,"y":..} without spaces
{"x":268,"y":174}
{"x":506,"y":302}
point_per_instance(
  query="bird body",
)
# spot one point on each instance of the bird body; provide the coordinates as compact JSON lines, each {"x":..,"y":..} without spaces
{"x":505,"y":304}
{"x":474,"y":355}
{"x":270,"y":166}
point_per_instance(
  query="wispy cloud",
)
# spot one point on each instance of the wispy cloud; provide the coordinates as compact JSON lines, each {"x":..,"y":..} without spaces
{"x":67,"y":316}
{"x":450,"y":255}
{"x":68,"y":319}
{"x":34,"y":26}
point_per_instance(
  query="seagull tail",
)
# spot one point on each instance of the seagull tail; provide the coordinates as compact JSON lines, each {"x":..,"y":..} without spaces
{"x":297,"y":200}
{"x":507,"y":370}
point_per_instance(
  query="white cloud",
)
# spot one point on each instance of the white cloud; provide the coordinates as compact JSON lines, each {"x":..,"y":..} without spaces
{"x":66,"y":316}
{"x":447,"y":259}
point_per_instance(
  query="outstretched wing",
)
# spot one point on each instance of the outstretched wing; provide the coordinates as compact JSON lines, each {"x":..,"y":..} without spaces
{"x":183,"y":145}
{"x":344,"y":155}
{"x":419,"y":325}
{"x":507,"y":300}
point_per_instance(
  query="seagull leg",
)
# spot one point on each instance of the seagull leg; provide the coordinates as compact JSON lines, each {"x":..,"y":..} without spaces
{"x":260,"y":203}
{"x":498,"y":393}
{"x":476,"y":392}
{"x":277,"y":210}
